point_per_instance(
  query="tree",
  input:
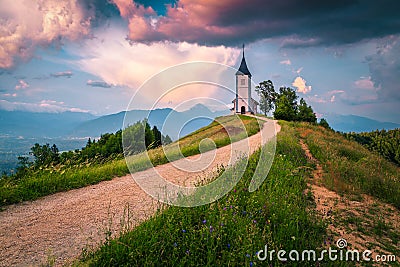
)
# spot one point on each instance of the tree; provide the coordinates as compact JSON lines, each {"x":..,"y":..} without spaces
{"x":148,"y":134}
{"x":267,"y":94}
{"x":157,"y":136}
{"x":23,"y":166}
{"x":306,"y":113}
{"x":286,"y":104}
{"x":44,"y":155}
{"x":324,"y":124}
{"x":166,"y":140}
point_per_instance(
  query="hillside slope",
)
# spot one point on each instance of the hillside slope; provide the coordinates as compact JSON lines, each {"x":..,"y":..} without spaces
{"x":321,"y":188}
{"x":69,"y":222}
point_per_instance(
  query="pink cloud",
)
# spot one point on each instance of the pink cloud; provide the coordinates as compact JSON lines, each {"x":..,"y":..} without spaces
{"x":364,"y":83}
{"x":301,"y":85}
{"x":24,"y":25}
{"x":286,"y":62}
{"x":21,"y":85}
{"x":187,"y":20}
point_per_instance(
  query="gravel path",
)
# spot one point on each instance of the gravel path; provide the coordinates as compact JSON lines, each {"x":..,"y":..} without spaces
{"x":58,"y":227}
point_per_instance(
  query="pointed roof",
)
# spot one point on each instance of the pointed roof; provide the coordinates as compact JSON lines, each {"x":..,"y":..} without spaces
{"x":243,"y":67}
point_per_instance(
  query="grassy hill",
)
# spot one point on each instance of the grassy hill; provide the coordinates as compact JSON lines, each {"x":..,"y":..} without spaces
{"x":359,"y":202}
{"x":59,"y":178}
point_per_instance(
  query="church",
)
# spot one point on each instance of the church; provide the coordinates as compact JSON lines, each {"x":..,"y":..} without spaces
{"x":244,"y":103}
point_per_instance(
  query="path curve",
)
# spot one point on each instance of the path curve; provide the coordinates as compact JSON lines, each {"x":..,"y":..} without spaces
{"x":61,"y":225}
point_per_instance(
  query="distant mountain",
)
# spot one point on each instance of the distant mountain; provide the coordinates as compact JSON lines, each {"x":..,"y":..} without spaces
{"x":175,"y":124}
{"x":353,"y":123}
{"x":20,"y":130}
{"x":30,"y":124}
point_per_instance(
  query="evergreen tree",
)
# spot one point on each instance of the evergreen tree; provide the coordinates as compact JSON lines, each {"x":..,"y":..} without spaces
{"x":148,"y":134}
{"x":166,"y":140}
{"x":306,"y":113}
{"x":324,"y":124}
{"x":157,"y":136}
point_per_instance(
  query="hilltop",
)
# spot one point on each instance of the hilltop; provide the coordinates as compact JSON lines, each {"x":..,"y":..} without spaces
{"x":321,"y":187}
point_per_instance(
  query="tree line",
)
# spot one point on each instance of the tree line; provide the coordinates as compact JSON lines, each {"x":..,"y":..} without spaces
{"x":285,"y":103}
{"x":109,"y":146}
{"x":384,"y":142}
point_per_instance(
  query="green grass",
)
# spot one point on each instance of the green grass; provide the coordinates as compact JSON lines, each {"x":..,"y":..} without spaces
{"x":351,"y":168}
{"x":229,"y":231}
{"x":57,"y":179}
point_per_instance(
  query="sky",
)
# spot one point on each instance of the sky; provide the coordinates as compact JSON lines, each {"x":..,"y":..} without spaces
{"x":341,"y":56}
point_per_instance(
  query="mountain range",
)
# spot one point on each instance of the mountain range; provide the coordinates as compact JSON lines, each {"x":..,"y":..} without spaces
{"x":20,"y":130}
{"x":353,"y":123}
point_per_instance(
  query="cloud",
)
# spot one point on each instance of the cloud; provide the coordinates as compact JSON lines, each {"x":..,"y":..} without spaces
{"x":50,"y":106}
{"x":130,"y":65}
{"x":328,"y":97}
{"x":364,"y":83}
{"x":25,"y":25}
{"x":21,"y":85}
{"x":286,"y":62}
{"x":67,"y":74}
{"x":10,"y":95}
{"x":301,"y":86}
{"x":232,"y":22}
{"x":384,"y":67}
{"x":98,"y":84}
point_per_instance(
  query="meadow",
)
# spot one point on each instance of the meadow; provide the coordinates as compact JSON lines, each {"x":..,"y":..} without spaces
{"x":53,"y":179}
{"x":281,"y":214}
{"x":350,"y":167}
{"x":231,"y":230}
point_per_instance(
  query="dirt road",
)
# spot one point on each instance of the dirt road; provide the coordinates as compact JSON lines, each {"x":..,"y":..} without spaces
{"x":58,"y":227}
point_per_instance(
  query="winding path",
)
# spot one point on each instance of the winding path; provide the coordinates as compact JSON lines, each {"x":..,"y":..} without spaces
{"x":58,"y":227}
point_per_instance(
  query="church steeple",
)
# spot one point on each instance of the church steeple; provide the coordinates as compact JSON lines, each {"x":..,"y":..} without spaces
{"x":243,"y":66}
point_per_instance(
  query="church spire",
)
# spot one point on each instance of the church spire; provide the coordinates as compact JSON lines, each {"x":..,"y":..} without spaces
{"x":243,"y":66}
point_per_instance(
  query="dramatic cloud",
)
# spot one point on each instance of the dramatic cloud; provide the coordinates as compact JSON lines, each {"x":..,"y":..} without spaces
{"x":21,"y":85}
{"x":98,"y":84}
{"x":67,"y":74}
{"x":384,"y":67}
{"x":43,"y":106}
{"x":130,"y":65}
{"x":301,"y":86}
{"x":24,"y":25}
{"x":230,"y":22}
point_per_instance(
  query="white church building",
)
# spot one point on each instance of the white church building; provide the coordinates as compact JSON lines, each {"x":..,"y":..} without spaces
{"x":244,"y":103}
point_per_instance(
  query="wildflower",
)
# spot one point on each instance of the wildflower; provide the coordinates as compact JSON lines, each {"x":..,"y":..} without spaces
{"x":244,"y":212}
{"x":251,"y":264}
{"x":254,"y":221}
{"x":229,"y":245}
{"x":234,"y":190}
{"x":211,"y":229}
{"x":187,"y":251}
{"x":231,"y":206}
{"x":248,"y":255}
{"x":183,"y":231}
{"x":222,"y":224}
{"x":175,"y":244}
{"x":204,"y":221}
{"x":224,"y":208}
